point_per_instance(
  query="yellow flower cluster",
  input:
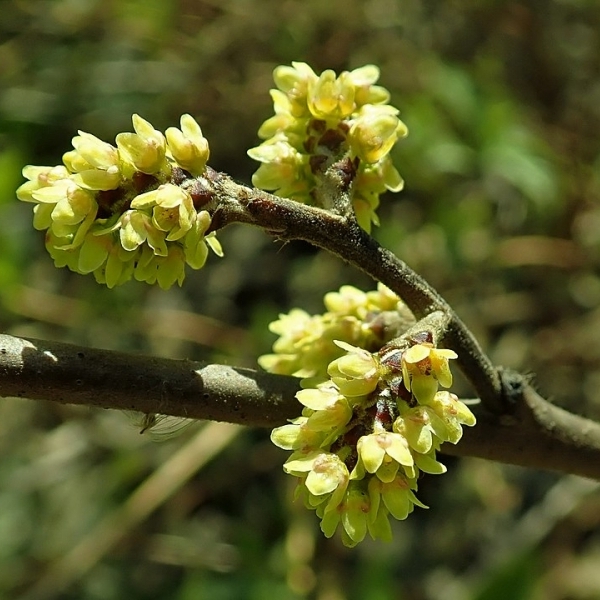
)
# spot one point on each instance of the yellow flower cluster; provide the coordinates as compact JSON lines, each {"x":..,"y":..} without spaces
{"x":320,"y":119}
{"x":368,"y":431}
{"x":306,"y":343}
{"x":122,"y":212}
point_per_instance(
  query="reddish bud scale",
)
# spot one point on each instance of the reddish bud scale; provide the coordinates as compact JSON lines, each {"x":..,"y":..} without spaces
{"x":316,"y":126}
{"x":309,"y":144}
{"x":351,"y":437}
{"x":200,"y":194}
{"x":399,"y":391}
{"x":317,"y":163}
{"x":422,"y":337}
{"x":347,"y":170}
{"x":179,"y":175}
{"x":385,"y":412}
{"x":332,"y":140}
{"x":391,"y":358}
{"x":142,"y":182}
{"x":107,"y":200}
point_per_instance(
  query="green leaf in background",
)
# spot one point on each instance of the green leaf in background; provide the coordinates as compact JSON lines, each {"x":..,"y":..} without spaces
{"x":514,"y":580}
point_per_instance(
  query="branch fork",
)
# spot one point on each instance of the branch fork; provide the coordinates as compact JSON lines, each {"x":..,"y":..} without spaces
{"x":515,"y":424}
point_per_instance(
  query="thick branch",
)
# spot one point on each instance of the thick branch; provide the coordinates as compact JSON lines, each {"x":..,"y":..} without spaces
{"x":536,"y":434}
{"x":69,"y":374}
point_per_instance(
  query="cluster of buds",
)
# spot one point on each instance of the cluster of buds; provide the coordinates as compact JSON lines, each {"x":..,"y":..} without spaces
{"x":367,"y":433}
{"x":126,"y":212}
{"x":306,"y":343}
{"x":320,"y":120}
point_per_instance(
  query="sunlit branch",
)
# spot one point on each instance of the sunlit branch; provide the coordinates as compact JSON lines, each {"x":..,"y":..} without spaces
{"x":536,"y":433}
{"x":342,"y":236}
{"x":43,"y":370}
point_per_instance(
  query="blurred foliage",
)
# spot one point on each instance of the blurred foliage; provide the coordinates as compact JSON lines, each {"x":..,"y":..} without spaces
{"x":500,"y":212}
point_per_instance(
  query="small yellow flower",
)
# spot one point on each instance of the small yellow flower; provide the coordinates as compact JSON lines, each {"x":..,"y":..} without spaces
{"x":188,"y":146}
{"x":347,"y":301}
{"x":423,"y":366}
{"x":91,"y":152}
{"x":65,"y":209}
{"x":330,"y":96}
{"x":352,"y":512}
{"x":366,"y":92}
{"x":94,"y":252}
{"x":145,"y":149}
{"x":397,"y":496}
{"x":172,"y":210}
{"x":382,"y":299}
{"x":378,"y":177}
{"x":166,"y":270}
{"x":98,"y":179}
{"x":118,"y":266}
{"x":294,"y":81}
{"x":420,"y":425}
{"x":297,"y":436}
{"x":296,"y":349}
{"x":39,"y":177}
{"x":388,"y":450}
{"x":428,"y":463}
{"x":283,"y":168}
{"x":328,"y":474}
{"x":136,"y":228}
{"x":453,"y":413}
{"x":325,"y":472}
{"x":283,"y":120}
{"x":331,"y":409}
{"x":356,"y":373}
{"x":375,"y":131}
{"x":71,"y":203}
{"x":196,"y":243}
{"x":95,"y":163}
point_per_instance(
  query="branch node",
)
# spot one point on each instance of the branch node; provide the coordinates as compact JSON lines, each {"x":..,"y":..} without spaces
{"x":513,"y":386}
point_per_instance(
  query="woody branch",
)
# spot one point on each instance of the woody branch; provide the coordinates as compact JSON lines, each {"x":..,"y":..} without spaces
{"x":515,"y":424}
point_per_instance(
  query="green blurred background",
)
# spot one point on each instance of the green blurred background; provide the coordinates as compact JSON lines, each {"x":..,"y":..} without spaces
{"x":500,"y":212}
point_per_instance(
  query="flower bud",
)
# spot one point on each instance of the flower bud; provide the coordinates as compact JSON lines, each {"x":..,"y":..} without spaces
{"x":188,"y":146}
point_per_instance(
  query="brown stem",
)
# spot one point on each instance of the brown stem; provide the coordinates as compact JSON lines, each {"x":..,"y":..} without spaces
{"x":43,"y":370}
{"x":342,"y":236}
{"x":537,"y":434}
